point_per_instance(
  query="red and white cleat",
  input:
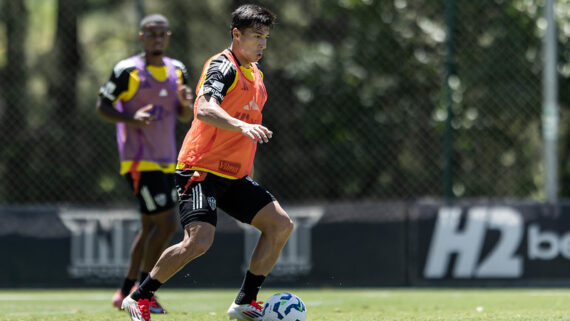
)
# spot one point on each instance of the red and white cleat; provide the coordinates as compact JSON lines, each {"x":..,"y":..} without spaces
{"x":137,"y":310}
{"x":248,"y":312}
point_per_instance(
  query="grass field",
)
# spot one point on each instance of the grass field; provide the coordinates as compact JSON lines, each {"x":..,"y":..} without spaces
{"x":325,"y":304}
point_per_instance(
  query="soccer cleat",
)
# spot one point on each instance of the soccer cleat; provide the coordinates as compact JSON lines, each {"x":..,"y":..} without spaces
{"x":137,"y":310}
{"x":118,"y":298}
{"x":246,"y":312}
{"x":155,"y":307}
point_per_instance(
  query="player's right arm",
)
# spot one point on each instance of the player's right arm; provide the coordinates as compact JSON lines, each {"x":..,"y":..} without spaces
{"x":111,"y":92}
{"x":212,"y":92}
{"x":210,"y":111}
{"x":140,"y":119}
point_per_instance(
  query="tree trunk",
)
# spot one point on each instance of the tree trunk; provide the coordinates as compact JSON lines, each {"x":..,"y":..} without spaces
{"x":65,"y":142}
{"x":13,"y":79}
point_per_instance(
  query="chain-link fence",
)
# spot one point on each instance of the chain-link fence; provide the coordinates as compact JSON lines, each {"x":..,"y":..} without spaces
{"x":358,"y":97}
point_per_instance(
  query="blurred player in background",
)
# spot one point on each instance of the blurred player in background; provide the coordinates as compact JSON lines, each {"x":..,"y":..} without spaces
{"x":215,"y":162}
{"x":144,"y":96}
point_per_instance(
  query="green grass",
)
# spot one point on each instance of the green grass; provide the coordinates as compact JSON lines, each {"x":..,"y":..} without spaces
{"x":323,"y":304}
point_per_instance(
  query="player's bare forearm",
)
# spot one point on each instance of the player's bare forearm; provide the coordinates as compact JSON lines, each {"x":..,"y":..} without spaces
{"x":185,"y":97}
{"x":109,"y":113}
{"x":184,"y":113}
{"x":210,"y":112}
{"x":140,"y":119}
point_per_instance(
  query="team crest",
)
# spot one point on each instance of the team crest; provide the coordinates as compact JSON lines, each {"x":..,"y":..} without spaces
{"x":212,"y":203}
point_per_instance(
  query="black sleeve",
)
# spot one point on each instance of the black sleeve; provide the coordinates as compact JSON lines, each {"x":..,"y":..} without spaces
{"x":180,"y":66}
{"x":220,"y":75}
{"x":118,"y":82}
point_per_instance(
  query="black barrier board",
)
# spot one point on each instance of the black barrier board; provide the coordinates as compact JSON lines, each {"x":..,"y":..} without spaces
{"x":489,"y":243}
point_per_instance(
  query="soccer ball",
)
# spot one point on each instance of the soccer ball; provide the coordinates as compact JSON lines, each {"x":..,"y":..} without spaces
{"x":284,"y":307}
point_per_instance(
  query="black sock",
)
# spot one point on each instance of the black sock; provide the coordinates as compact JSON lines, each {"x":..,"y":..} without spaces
{"x":249,"y":288}
{"x":142,"y":277}
{"x":146,"y":289}
{"x":127,"y":286}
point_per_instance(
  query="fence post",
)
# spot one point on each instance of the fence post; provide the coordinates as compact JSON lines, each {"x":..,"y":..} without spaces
{"x":550,"y":116}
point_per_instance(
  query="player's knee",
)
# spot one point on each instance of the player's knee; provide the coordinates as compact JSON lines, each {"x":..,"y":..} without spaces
{"x":278,"y":227}
{"x":201,"y":246}
{"x":283,"y":227}
{"x":196,"y":246}
{"x":288,"y":226}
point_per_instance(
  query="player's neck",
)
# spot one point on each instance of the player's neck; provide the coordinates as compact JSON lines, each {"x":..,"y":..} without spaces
{"x":240,"y":58}
{"x":154,"y":60}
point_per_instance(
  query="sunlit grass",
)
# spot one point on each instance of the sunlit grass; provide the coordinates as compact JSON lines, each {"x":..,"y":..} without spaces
{"x":322,"y":304}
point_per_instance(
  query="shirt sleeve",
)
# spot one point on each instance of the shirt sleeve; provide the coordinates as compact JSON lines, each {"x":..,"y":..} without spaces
{"x":182,"y":71}
{"x":117,"y":84}
{"x":220,"y":76}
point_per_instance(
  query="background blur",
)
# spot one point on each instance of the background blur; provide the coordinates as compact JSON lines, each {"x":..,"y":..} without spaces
{"x":408,"y":144}
{"x":369,"y":99}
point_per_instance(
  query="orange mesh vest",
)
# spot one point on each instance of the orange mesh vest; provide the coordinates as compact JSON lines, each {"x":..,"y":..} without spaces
{"x":223,"y":152}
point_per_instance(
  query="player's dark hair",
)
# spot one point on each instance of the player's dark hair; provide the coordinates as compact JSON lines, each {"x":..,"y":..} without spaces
{"x":249,"y":15}
{"x":156,"y":18}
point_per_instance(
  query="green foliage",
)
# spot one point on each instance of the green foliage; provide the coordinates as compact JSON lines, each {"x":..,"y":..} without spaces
{"x":357,"y":96}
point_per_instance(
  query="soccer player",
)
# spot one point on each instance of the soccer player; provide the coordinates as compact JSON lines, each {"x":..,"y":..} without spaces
{"x":214,"y":164}
{"x":144,"y":96}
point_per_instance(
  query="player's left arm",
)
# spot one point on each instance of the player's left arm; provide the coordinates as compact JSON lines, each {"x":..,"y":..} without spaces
{"x":185,"y":95}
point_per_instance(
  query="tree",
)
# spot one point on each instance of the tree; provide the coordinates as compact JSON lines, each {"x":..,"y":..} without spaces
{"x":14,"y":139}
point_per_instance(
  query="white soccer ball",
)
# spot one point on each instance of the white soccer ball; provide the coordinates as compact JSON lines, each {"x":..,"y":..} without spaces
{"x":284,"y":307}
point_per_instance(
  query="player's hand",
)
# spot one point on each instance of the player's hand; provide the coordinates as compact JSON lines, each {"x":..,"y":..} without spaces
{"x":258,"y":133}
{"x":185,"y":95}
{"x":143,"y":116}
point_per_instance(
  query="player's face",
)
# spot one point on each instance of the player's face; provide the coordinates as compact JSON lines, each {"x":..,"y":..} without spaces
{"x":251,"y":42}
{"x":155,"y":38}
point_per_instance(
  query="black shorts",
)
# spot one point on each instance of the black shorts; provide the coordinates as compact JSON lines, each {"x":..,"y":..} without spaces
{"x":240,"y":198}
{"x":156,"y":191}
